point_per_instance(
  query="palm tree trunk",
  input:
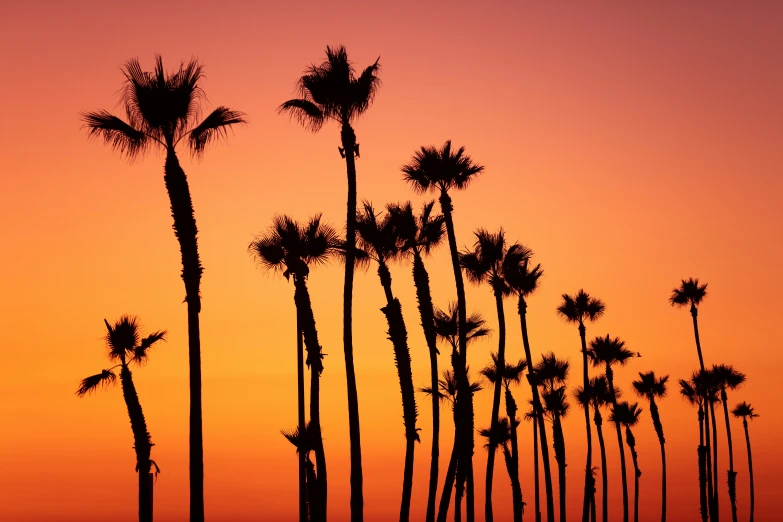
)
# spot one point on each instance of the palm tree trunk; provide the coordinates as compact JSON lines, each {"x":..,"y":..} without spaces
{"x":469,"y":506}
{"x":708,"y":457}
{"x":513,"y":475}
{"x":141,"y":442}
{"x":715,"y":460}
{"x":421,"y":281}
{"x":750,"y":470}
{"x":186,"y":232}
{"x":588,"y":493}
{"x":516,"y":487}
{"x":732,"y":474}
{"x":702,"y":451}
{"x":451,"y":471}
{"x":550,"y":497}
{"x":559,"y":444}
{"x":604,"y":474}
{"x":656,"y":418}
{"x":535,"y":469}
{"x":501,"y":364}
{"x":348,"y":138}
{"x":623,"y":472}
{"x":458,"y":494}
{"x":300,"y":396}
{"x":694,"y":315}
{"x":629,"y":438}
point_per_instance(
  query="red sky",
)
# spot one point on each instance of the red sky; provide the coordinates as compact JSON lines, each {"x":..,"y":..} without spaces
{"x":629,"y":146}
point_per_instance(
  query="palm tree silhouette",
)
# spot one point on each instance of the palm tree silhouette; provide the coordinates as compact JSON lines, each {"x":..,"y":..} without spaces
{"x":304,"y":440}
{"x":628,"y":415}
{"x":746,"y":411}
{"x":332,"y":91}
{"x":579,"y":309}
{"x":607,"y":352}
{"x":523,"y":278}
{"x":710,"y":385}
{"x":533,"y":415}
{"x":378,"y":239}
{"x":551,"y":374}
{"x":689,"y":390}
{"x":691,"y":293}
{"x":161,"y":111}
{"x":418,"y":235}
{"x":649,"y":386}
{"x":500,"y":435}
{"x":291,"y":248}
{"x":729,"y":378}
{"x":441,"y":170}
{"x":126,"y":347}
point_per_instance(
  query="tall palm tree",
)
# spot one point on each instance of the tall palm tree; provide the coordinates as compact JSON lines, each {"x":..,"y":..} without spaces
{"x":649,"y":386}
{"x":161,"y":111}
{"x":523,"y":278}
{"x":377,"y":238}
{"x":333,"y":91}
{"x":691,"y":293}
{"x":551,"y":374}
{"x":126,"y":347}
{"x":746,"y":411}
{"x":728,"y":378}
{"x":578,"y":309}
{"x":532,"y":415}
{"x":628,"y":415}
{"x":291,"y":248}
{"x":598,"y":395}
{"x":690,"y":392}
{"x":418,"y":235}
{"x":608,"y":352}
{"x":500,"y":435}
{"x":441,"y":170}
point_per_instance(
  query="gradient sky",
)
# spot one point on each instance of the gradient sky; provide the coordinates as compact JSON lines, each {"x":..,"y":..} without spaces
{"x":629,"y":146}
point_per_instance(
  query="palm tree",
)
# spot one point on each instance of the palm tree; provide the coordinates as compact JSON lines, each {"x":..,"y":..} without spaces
{"x":533,"y":415}
{"x":447,"y":327}
{"x":709,"y":386}
{"x":441,"y":170}
{"x":551,"y":374}
{"x":418,"y":235}
{"x":607,"y":352}
{"x":377,"y":238}
{"x":628,"y":415}
{"x":484,"y":264}
{"x":691,"y":293}
{"x":332,"y":91}
{"x":649,"y":386}
{"x":689,"y":390}
{"x":578,"y":309}
{"x":729,"y":378}
{"x":126,"y":347}
{"x":162,"y":110}
{"x":291,"y":248}
{"x":523,"y":278}
{"x":500,"y":435}
{"x":746,"y":411}
{"x":304,"y":441}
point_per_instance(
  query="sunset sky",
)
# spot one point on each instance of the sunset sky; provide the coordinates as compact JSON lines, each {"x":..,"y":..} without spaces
{"x":628,"y":146}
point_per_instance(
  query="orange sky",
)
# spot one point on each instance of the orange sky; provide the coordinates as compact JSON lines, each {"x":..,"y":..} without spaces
{"x":628,"y":146}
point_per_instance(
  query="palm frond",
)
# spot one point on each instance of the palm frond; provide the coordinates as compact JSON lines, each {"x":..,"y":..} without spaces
{"x":214,"y":127}
{"x":305,"y":112}
{"x":93,"y":382}
{"x":122,"y":337}
{"x":744,"y":409}
{"x":116,"y":133}
{"x":140,"y":355}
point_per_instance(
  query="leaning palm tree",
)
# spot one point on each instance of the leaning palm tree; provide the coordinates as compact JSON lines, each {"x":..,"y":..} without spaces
{"x":746,"y":411}
{"x":649,"y":386}
{"x":691,"y":293}
{"x":291,"y":248}
{"x":608,"y":352}
{"x":418,"y":235}
{"x":377,"y":238}
{"x":578,"y":309}
{"x":162,"y":110}
{"x":332,"y":91}
{"x":689,"y":390}
{"x":523,"y":278}
{"x":628,"y":415}
{"x":441,"y":170}
{"x":728,"y":378}
{"x":126,"y":347}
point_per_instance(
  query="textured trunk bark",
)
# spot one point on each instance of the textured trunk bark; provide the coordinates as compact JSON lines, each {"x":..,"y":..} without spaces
{"x":488,"y":516}
{"x":559,"y":443}
{"x":623,"y":471}
{"x":589,"y":482}
{"x":448,"y":483}
{"x":598,"y":420}
{"x":511,"y":412}
{"x":656,"y":418}
{"x":516,"y":489}
{"x":732,"y":475}
{"x":703,"y":506}
{"x":750,"y":470}
{"x":141,"y":442}
{"x":629,"y":438}
{"x":300,"y":411}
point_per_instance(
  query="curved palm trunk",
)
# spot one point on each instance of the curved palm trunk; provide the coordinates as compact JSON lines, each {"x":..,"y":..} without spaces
{"x":141,"y":443}
{"x":560,"y":457}
{"x":732,"y":474}
{"x":550,"y":497}
{"x":402,"y":359}
{"x":348,"y":138}
{"x":750,"y":469}
{"x":702,"y":451}
{"x":656,"y":419}
{"x":516,"y":487}
{"x":715,"y":461}
{"x":588,"y":493}
{"x":501,"y":364}
{"x":598,"y":420}
{"x":421,"y":281}
{"x":300,"y":396}
{"x":536,"y":486}
{"x":186,"y":232}
{"x":451,"y":472}
{"x":708,"y":457}
{"x":458,"y":494}
{"x":629,"y":438}
{"x":623,"y":472}
{"x":306,"y":319}
{"x":694,"y":315}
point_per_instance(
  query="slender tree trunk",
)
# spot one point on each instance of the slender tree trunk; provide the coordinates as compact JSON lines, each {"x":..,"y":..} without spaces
{"x":516,"y":489}
{"x":348,"y":138}
{"x":535,"y":469}
{"x":589,"y":464}
{"x":593,"y":514}
{"x":141,"y":442}
{"x":501,"y":364}
{"x":750,"y":470}
{"x":469,"y":506}
{"x":708,"y":457}
{"x":421,"y":281}
{"x":550,"y":497}
{"x":300,"y":393}
{"x":732,"y":476}
{"x":629,"y":438}
{"x":451,"y":471}
{"x":703,"y":509}
{"x":511,"y":412}
{"x":604,"y":474}
{"x":715,"y":461}
{"x":458,"y":494}
{"x":694,"y":315}
{"x":186,"y":232}
{"x":559,"y":444}
{"x":656,"y":418}
{"x":623,"y":472}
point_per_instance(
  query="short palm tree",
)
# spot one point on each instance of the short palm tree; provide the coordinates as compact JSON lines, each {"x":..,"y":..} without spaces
{"x":162,"y":111}
{"x":441,"y":170}
{"x":125,"y":347}
{"x":332,"y":91}
{"x":418,"y":235}
{"x":728,"y":378}
{"x":608,"y":352}
{"x":291,"y":248}
{"x":691,"y":293}
{"x":651,"y":387}
{"x":378,"y":239}
{"x":579,"y":309}
{"x":628,"y":415}
{"x":746,"y":411}
{"x":689,"y":390}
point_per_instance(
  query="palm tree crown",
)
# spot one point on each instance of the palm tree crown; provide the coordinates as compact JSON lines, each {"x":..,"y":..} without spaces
{"x":485,"y":262}
{"x":744,"y":410}
{"x":447,"y":326}
{"x":580,"y":308}
{"x":608,"y":351}
{"x":690,"y":292}
{"x":518,"y":273}
{"x":377,"y":237}
{"x":551,"y":371}
{"x":650,"y":386}
{"x":727,"y":376}
{"x":417,"y":233}
{"x":626,"y":414}
{"x":440,"y":169}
